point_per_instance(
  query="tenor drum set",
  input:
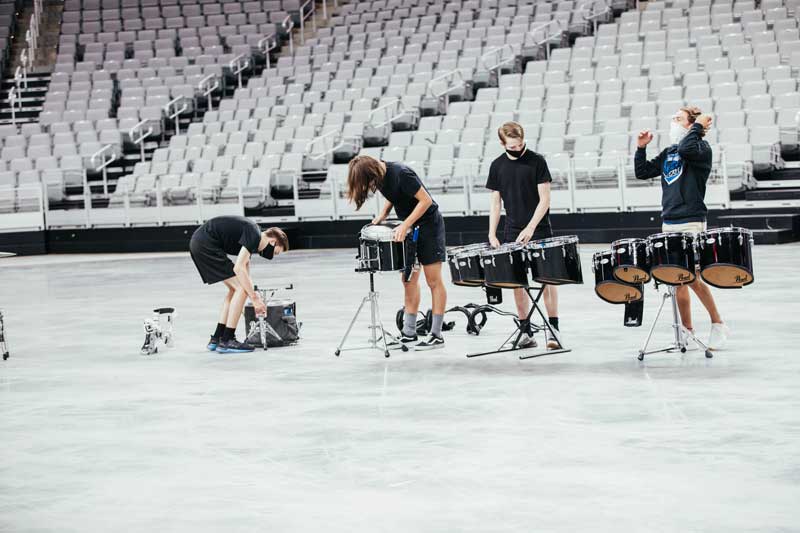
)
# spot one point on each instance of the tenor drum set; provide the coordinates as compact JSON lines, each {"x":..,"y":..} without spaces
{"x":531,"y":266}
{"x":722,"y":256}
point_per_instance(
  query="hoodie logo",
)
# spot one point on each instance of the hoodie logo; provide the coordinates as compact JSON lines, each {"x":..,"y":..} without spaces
{"x":673,"y":168}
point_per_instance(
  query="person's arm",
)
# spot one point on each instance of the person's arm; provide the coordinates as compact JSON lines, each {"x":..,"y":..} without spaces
{"x":496,"y":202}
{"x":643,"y":168}
{"x":538,"y":214}
{"x":384,"y":214}
{"x":242,"y":270}
{"x":424,"y":201}
{"x":691,"y":147}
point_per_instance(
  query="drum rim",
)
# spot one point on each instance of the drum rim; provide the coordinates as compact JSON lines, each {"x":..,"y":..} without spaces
{"x":276,"y":302}
{"x":504,"y":248}
{"x":627,"y":240}
{"x":552,"y":242}
{"x":654,"y":236}
{"x":601,"y":252}
{"x":734,"y":229}
{"x":462,"y":251}
{"x":388,"y":224}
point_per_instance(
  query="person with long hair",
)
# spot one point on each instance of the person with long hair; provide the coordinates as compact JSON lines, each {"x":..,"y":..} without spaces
{"x":413,"y":204}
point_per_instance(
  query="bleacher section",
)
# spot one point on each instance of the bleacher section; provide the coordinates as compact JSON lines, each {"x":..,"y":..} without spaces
{"x":153,"y":92}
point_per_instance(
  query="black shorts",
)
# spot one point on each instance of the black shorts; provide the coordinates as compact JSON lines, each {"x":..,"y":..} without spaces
{"x":542,"y":232}
{"x":430,"y":241}
{"x":211,"y":261}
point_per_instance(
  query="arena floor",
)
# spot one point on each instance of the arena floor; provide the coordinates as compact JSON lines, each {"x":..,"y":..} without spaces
{"x":97,"y":438}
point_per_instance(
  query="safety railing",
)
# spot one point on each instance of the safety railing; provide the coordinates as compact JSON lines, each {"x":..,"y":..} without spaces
{"x":314,"y":203}
{"x":22,"y":208}
{"x":174,"y":109}
{"x":443,"y":86}
{"x":238,"y":65}
{"x":287,"y":25}
{"x":308,"y":9}
{"x":384,"y":115}
{"x":547,"y":34}
{"x":138,"y":135}
{"x":206,"y":87}
{"x":101,"y":159}
{"x":12,"y":100}
{"x":596,"y":11}
{"x":267,"y":45}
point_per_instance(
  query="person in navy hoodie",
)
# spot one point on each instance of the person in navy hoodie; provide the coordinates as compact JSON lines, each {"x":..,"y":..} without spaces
{"x":684,"y":168}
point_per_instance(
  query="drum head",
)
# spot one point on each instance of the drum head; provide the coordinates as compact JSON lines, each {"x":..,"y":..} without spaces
{"x":630,"y":274}
{"x":627,"y":242}
{"x":726,"y":276}
{"x":672,"y":275}
{"x":280,"y":302}
{"x":617,"y":293}
{"x":554,"y":241}
{"x":379,"y":232}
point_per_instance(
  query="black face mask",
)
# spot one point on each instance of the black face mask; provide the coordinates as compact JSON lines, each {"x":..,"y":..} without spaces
{"x":516,"y":153}
{"x":268,"y":252}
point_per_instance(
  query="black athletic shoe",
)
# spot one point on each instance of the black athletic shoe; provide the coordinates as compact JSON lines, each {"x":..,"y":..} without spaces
{"x":234,"y":346}
{"x":403,"y":340}
{"x":212,"y":344}
{"x":432,"y":343}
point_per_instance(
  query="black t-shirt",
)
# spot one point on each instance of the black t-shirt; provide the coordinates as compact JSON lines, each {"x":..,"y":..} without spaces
{"x":231,"y":233}
{"x":399,"y":186}
{"x":517,"y":181}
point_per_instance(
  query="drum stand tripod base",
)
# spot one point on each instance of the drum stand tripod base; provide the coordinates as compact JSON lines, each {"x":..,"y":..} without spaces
{"x":682,"y":335}
{"x":517,"y":334}
{"x":375,"y":342}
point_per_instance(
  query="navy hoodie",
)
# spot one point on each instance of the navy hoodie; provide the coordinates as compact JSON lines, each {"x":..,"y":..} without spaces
{"x":684,"y":169}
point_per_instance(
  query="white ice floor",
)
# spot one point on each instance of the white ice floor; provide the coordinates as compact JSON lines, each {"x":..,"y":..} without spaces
{"x":97,"y":438}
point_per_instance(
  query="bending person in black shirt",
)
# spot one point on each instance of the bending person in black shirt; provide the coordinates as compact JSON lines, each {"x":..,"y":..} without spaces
{"x":520,"y":180}
{"x":684,"y":168}
{"x":210,"y":247}
{"x":404,"y":191}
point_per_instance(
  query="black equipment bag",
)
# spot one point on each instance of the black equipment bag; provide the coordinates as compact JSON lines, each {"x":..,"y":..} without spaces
{"x":282,"y":328}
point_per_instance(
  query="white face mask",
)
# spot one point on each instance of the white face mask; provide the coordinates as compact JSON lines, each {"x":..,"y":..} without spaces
{"x":676,"y":132}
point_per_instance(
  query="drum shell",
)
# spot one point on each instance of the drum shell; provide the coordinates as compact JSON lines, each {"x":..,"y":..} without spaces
{"x":382,"y":256}
{"x":506,"y":269}
{"x":555,"y":265}
{"x":466,"y":269}
{"x":607,"y":287}
{"x":675,"y":256}
{"x":732,"y":250}
{"x":631,"y":260}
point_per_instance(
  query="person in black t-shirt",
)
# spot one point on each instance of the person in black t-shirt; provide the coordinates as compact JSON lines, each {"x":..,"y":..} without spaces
{"x":520,"y":181}
{"x":210,"y":247}
{"x":412,"y":202}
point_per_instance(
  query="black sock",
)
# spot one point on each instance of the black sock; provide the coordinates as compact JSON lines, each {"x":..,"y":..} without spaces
{"x":229,"y":334}
{"x":553,"y":322}
{"x":525,"y":326}
{"x":218,"y":333}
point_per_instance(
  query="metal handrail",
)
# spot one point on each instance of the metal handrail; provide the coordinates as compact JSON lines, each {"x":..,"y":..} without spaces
{"x":20,"y":74}
{"x":12,"y":98}
{"x":498,"y":52}
{"x":176,"y":112}
{"x":139,"y":139}
{"x":548,"y":36}
{"x":288,"y":25}
{"x":268,"y":44}
{"x":105,"y":162}
{"x":207,"y":88}
{"x":238,"y":65}
{"x":590,"y":13}
{"x":401,"y":110}
{"x":454,"y":80}
{"x":308,"y":148}
{"x":303,"y":18}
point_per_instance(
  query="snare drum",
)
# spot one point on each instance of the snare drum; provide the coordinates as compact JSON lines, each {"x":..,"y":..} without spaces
{"x":465,"y":264}
{"x":378,"y":252}
{"x":555,"y":261}
{"x":607,"y":286}
{"x":726,"y":257}
{"x":631,"y":260}
{"x":505,"y":267}
{"x":672,"y":257}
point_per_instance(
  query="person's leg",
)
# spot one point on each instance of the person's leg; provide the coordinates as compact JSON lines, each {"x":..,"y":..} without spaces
{"x":226,"y":304}
{"x":703,"y":292}
{"x":433,"y":277}
{"x":410,"y":304}
{"x":684,"y":306}
{"x":550,"y":297}
{"x":522,"y":302}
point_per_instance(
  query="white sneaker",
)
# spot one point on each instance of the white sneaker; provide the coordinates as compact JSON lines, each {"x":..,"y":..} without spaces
{"x":552,"y":342}
{"x":526,"y":341}
{"x":719,"y":336}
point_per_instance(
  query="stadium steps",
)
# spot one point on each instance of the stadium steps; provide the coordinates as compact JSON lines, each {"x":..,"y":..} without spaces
{"x":768,"y":228}
{"x":32,"y":97}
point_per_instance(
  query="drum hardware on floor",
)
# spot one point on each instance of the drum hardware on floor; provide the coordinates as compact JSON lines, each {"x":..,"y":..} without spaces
{"x":553,"y":261}
{"x":377,"y":252}
{"x":279,"y":326}
{"x":158,"y":330}
{"x":3,"y":344}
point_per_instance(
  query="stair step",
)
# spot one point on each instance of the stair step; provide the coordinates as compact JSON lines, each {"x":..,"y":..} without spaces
{"x":774,"y":236}
{"x":792,"y":193}
{"x":765,"y":221}
{"x":778,"y":184}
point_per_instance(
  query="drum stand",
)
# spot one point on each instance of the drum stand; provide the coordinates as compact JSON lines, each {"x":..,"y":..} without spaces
{"x":682,"y":335}
{"x":3,"y":345}
{"x":517,"y":334}
{"x":375,"y":342}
